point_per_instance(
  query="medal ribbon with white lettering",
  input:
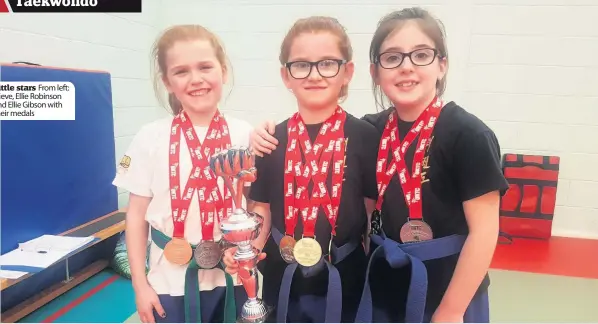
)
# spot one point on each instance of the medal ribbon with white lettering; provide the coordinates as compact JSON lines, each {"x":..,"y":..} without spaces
{"x":202,"y":178}
{"x":332,"y":135}
{"x":329,"y":142}
{"x":415,"y":229}
{"x":211,"y":203}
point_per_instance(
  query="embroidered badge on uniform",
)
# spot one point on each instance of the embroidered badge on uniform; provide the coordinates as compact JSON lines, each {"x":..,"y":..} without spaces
{"x":426,"y":165}
{"x":124,"y":164}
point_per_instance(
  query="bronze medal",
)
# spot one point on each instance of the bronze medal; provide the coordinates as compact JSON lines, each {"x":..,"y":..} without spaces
{"x":287,"y":244}
{"x":178,"y":251}
{"x":208,"y":254}
{"x":307,"y":252}
{"x":416,"y":231}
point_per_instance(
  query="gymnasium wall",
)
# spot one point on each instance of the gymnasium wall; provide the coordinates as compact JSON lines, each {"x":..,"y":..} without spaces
{"x":526,"y":67}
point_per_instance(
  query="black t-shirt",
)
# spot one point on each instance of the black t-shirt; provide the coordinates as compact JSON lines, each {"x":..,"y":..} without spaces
{"x":359,"y":183}
{"x":463,"y":162}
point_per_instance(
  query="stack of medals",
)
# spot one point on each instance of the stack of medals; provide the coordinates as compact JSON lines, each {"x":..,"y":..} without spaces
{"x":178,"y":250}
{"x":327,"y":152}
{"x":415,"y":229}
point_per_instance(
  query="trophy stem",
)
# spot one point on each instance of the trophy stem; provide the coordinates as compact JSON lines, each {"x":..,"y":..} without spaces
{"x":254,"y":309}
{"x":238,"y":197}
{"x":249,"y":280}
{"x":229,"y":185}
{"x":245,"y":254}
{"x":238,"y":193}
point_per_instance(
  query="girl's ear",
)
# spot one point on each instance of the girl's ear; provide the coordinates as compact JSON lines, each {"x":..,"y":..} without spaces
{"x":349,"y":70}
{"x":443,"y":64}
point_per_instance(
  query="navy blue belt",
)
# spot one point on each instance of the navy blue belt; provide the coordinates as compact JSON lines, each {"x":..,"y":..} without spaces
{"x":192,"y":299}
{"x":400,"y":255}
{"x":334,"y":295}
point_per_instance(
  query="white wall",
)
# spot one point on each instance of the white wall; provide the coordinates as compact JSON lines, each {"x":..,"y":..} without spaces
{"x":533,"y":76}
{"x":526,"y":67}
{"x":116,"y":43}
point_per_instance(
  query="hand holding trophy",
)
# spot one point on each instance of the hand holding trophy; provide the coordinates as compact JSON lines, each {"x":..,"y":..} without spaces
{"x":242,"y":227}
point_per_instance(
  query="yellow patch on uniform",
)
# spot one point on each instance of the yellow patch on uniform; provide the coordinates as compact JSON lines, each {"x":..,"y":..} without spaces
{"x":124,"y":164}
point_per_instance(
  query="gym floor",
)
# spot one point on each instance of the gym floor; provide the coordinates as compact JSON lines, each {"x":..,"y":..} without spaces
{"x":532,"y":281}
{"x":531,"y":298}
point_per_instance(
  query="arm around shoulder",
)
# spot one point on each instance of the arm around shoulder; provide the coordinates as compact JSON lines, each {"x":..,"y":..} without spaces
{"x":372,"y":119}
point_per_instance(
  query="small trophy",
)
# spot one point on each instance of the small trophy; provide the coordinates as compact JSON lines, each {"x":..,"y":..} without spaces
{"x":242,"y":227}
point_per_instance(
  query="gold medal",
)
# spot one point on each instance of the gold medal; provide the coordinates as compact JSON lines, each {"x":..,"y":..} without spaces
{"x":178,"y":251}
{"x":307,"y":252}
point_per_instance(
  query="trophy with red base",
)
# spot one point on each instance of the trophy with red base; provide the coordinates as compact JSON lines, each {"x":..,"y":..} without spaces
{"x":241,"y":228}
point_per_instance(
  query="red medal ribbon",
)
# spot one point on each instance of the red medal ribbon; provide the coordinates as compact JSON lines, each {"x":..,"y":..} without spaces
{"x":385,"y":170}
{"x":201,"y":178}
{"x":330,"y":144}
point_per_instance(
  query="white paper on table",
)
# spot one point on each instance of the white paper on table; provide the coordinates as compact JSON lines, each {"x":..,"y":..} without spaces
{"x":41,"y":252}
{"x":55,"y":243}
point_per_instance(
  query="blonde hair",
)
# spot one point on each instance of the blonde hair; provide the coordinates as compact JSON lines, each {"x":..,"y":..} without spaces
{"x":391,"y":23}
{"x":316,"y":24}
{"x":165,"y":42}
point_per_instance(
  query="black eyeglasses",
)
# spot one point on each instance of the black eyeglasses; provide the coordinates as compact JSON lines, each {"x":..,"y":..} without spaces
{"x":327,"y":68}
{"x":419,"y":57}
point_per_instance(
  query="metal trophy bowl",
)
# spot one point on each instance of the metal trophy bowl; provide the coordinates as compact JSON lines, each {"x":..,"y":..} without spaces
{"x":242,"y":227}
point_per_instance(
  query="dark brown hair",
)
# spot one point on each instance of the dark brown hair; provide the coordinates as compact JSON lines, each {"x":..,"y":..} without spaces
{"x":168,"y":38}
{"x":316,"y":24}
{"x":392,"y":22}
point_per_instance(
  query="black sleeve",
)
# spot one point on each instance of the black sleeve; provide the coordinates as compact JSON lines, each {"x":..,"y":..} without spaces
{"x":370,"y":118}
{"x":478,"y":165}
{"x":259,"y":188}
{"x":378,"y":120}
{"x":370,"y":143}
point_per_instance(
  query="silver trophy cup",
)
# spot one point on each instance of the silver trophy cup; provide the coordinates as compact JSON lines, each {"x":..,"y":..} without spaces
{"x":242,"y":227}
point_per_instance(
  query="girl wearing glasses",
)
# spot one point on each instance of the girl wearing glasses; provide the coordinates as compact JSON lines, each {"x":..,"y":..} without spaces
{"x":435,"y":225}
{"x":313,"y":189}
